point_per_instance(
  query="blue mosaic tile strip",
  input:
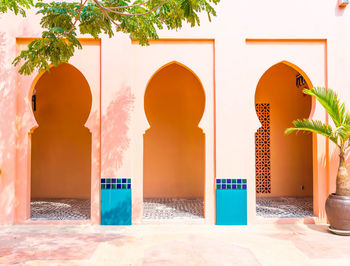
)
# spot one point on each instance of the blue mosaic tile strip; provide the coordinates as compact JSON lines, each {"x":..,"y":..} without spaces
{"x":115,"y":183}
{"x":228,"y":183}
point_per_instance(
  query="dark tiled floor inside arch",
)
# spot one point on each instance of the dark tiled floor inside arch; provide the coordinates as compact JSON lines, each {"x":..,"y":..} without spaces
{"x":170,"y":208}
{"x":284,"y":207}
{"x":60,"y":209}
{"x":173,"y":208}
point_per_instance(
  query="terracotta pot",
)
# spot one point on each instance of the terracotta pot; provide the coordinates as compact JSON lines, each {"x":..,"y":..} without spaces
{"x":338,"y":212}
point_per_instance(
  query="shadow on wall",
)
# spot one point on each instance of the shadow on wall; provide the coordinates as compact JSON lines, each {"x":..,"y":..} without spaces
{"x":174,"y":145}
{"x":61,"y":145}
{"x":5,"y":100}
{"x":115,"y":139}
{"x":7,"y":131}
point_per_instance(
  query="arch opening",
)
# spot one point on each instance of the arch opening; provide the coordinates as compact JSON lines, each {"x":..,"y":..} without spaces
{"x":61,"y":146}
{"x":174,"y":145}
{"x":283,"y":164}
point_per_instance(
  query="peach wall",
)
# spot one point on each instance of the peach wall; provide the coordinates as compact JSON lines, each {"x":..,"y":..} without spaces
{"x":291,"y":156}
{"x":174,"y":145}
{"x":61,"y":145}
{"x":317,"y":46}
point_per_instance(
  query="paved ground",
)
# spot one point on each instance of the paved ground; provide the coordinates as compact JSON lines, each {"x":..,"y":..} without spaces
{"x":172,"y":244}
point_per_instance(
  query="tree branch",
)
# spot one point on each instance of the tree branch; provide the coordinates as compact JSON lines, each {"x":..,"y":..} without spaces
{"x":128,"y":14}
{"x":82,"y":4}
{"x":106,"y":14}
{"x":78,"y":15}
{"x":122,"y":7}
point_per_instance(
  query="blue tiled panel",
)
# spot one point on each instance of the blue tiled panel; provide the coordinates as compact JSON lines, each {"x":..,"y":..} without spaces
{"x":225,"y":183}
{"x":116,"y":205}
{"x":115,"y":183}
{"x":231,"y":202}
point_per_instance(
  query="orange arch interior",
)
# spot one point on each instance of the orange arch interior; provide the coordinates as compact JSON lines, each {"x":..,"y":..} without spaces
{"x":174,"y":158}
{"x":61,"y":145}
{"x":291,"y":156}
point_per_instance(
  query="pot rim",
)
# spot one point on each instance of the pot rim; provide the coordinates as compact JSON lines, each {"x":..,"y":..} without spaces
{"x":335,"y":196}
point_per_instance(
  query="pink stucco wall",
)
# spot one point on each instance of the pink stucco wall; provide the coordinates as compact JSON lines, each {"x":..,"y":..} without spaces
{"x":229,"y":56}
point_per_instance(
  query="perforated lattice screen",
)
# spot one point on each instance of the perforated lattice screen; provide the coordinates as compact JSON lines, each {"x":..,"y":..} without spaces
{"x":262,"y":150}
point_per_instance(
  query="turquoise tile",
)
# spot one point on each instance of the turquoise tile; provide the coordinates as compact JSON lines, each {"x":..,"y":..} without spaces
{"x":231,"y":207}
{"x":116,"y":207}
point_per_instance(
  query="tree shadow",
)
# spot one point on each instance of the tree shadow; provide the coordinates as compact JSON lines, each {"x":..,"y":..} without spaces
{"x":7,"y":130}
{"x":115,"y":124}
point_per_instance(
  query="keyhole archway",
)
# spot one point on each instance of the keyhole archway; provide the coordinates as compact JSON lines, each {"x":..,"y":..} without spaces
{"x":61,"y":144}
{"x":284,"y":164}
{"x":174,"y":145}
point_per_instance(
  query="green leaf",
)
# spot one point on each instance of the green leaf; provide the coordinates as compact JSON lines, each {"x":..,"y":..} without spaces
{"x":16,"y":6}
{"x":314,"y":126}
{"x":330,"y":101}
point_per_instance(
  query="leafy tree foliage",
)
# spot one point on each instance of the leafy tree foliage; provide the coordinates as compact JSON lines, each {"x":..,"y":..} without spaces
{"x":16,"y":6}
{"x":61,"y":22}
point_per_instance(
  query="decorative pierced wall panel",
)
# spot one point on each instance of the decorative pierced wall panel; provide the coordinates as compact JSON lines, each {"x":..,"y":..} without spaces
{"x":262,"y":150}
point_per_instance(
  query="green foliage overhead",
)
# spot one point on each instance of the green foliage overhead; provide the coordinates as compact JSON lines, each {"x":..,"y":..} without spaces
{"x":141,"y":19}
{"x":339,"y":134}
{"x":16,"y":6}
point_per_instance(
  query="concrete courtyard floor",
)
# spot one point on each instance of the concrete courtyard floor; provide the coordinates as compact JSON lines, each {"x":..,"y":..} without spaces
{"x":172,"y":244}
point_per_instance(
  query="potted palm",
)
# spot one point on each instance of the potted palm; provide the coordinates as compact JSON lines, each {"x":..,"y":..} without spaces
{"x":337,"y":204}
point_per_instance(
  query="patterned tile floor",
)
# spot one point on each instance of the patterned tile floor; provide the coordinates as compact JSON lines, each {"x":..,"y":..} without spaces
{"x":60,"y":209}
{"x":284,"y":207}
{"x":171,"y":208}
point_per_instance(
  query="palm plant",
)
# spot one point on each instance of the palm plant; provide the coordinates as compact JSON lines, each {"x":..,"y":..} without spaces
{"x":339,"y":135}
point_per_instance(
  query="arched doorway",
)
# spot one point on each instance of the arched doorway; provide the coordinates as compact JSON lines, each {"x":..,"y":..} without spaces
{"x":61,"y":146}
{"x":284,"y":168}
{"x":174,"y":145}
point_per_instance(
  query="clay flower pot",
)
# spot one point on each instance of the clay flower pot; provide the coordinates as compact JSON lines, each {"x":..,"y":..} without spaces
{"x":338,"y":213}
